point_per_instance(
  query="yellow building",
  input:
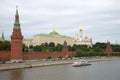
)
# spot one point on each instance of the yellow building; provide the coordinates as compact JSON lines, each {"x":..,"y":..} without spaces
{"x":57,"y":38}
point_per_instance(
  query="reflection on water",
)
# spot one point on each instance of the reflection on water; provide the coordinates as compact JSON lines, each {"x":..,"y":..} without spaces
{"x":16,"y":74}
{"x":108,"y":70}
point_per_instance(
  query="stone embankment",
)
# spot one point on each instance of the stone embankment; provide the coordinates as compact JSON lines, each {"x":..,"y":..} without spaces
{"x":31,"y":64}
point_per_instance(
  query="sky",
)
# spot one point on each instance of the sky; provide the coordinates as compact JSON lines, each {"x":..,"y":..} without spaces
{"x":100,"y":19}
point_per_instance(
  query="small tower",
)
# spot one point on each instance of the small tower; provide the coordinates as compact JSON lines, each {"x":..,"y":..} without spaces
{"x":65,"y":49}
{"x":81,"y":33}
{"x":2,"y":38}
{"x":16,"y":41}
{"x":108,"y":50}
{"x":76,"y":38}
{"x":90,"y":42}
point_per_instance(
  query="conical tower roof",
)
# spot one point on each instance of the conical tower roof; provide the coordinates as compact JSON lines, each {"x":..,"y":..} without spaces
{"x":17,"y":24}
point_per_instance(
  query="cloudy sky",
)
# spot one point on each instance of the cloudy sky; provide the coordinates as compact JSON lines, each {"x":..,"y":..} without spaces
{"x":100,"y":19}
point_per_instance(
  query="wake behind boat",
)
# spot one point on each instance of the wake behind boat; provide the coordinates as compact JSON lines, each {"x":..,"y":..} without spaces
{"x":81,"y":63}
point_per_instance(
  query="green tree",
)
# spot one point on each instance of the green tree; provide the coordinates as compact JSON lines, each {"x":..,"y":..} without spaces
{"x":116,"y":48}
{"x":37,"y":48}
{"x":25,"y":48}
{"x":100,"y":45}
{"x":45,"y":44}
{"x":52,"y":46}
{"x":5,"y":45}
{"x":80,"y":53}
{"x":59,"y":47}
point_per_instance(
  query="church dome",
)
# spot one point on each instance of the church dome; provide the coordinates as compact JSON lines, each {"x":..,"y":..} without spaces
{"x":54,"y":32}
{"x":81,"y":29}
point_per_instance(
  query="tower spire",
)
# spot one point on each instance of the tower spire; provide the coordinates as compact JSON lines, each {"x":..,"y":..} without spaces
{"x":81,"y":33}
{"x":17,"y":24}
{"x":3,"y":36}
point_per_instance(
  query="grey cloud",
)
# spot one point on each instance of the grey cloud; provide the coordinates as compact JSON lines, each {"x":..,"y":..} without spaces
{"x":99,"y":18}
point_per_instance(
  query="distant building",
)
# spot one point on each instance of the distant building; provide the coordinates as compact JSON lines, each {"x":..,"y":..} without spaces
{"x":27,"y":42}
{"x":82,"y":39}
{"x":108,"y":49}
{"x":2,"y":38}
{"x":57,"y":38}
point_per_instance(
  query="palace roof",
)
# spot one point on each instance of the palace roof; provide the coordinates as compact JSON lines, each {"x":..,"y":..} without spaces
{"x":53,"y":34}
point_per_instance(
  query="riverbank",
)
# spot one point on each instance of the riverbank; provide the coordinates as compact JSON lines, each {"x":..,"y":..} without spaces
{"x":40,"y":63}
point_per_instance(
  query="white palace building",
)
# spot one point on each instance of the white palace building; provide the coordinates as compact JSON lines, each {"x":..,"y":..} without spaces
{"x":57,"y":38}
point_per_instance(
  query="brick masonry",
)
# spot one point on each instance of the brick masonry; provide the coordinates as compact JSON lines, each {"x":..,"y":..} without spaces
{"x":5,"y":55}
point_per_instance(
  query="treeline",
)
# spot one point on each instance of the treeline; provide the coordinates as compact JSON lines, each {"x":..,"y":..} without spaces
{"x":81,"y":50}
{"x":4,"y":45}
{"x":44,"y":47}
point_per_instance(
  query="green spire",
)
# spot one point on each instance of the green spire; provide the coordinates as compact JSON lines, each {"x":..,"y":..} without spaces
{"x":17,"y":24}
{"x":3,"y":36}
{"x":17,"y":11}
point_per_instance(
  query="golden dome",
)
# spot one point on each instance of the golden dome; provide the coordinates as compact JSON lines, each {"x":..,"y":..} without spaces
{"x":81,"y":29}
{"x":54,"y":30}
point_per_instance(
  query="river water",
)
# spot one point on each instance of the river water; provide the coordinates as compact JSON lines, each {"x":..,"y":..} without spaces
{"x":107,"y":70}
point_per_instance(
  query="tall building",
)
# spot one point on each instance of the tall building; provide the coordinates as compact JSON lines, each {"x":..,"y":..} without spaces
{"x":16,"y":40}
{"x":57,"y":38}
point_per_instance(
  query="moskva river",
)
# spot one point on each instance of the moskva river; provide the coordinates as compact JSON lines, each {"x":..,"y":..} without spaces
{"x":108,"y":70}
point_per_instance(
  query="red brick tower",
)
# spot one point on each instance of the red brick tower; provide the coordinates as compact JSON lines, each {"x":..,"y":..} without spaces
{"x":108,"y":50}
{"x":16,"y":41}
{"x":65,"y":49}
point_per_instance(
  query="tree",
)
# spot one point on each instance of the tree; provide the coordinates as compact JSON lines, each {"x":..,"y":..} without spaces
{"x":116,"y":48}
{"x":79,"y":53}
{"x":37,"y":48}
{"x":46,"y":44}
{"x":25,"y":48}
{"x":59,"y":47}
{"x":100,"y":45}
{"x":5,"y":45}
{"x":52,"y":46}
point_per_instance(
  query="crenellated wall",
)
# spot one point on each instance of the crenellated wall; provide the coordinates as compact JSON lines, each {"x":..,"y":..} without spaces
{"x":38,"y":55}
{"x":5,"y":55}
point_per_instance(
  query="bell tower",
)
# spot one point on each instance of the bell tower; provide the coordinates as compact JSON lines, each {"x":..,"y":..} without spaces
{"x":16,"y":40}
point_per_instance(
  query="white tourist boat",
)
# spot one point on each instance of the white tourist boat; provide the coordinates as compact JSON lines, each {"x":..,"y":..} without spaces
{"x":81,"y":63}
